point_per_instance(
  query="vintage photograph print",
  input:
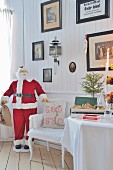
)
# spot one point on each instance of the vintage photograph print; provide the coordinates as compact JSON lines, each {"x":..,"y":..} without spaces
{"x":38,"y":50}
{"x":51,"y":15}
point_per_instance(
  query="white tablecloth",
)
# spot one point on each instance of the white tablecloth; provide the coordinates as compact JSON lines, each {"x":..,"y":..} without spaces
{"x":90,"y":143}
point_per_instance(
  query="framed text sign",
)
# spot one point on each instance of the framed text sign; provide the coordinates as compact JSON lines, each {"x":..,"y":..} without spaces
{"x":90,"y":10}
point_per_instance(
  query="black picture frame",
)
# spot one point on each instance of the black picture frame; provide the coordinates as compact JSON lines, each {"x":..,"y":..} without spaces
{"x":72,"y":67}
{"x":38,"y":50}
{"x":90,"y":10}
{"x":47,"y":75}
{"x":98,"y":43}
{"x":51,"y":15}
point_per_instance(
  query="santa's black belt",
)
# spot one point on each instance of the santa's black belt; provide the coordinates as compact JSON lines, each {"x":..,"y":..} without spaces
{"x":23,"y":95}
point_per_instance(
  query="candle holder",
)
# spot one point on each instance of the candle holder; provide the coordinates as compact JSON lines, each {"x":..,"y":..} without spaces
{"x":109,"y":106}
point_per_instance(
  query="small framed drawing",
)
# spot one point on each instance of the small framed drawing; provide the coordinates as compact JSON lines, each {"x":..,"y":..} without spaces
{"x":98,"y":44}
{"x":72,"y":67}
{"x":90,"y":10}
{"x":38,"y":50}
{"x":51,"y":15}
{"x":47,"y":75}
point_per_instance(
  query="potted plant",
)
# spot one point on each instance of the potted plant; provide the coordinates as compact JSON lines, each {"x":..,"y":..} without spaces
{"x":92,"y":83}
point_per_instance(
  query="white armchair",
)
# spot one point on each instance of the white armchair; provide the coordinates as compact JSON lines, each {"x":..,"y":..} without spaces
{"x":48,"y":134}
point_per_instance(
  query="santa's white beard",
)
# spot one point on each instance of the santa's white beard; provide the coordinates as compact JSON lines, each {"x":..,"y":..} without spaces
{"x":22,"y":77}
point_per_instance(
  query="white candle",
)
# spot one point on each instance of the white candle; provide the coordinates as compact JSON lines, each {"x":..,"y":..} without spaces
{"x":107,"y":63}
{"x":106,"y":69}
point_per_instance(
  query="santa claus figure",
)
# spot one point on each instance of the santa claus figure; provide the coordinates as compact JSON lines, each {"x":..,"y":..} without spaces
{"x":24,"y":103}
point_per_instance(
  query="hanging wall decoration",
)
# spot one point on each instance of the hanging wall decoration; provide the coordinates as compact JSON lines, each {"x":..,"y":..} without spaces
{"x":38,"y":50}
{"x":51,"y":15}
{"x":90,"y":10}
{"x":72,"y":67}
{"x":100,"y":51}
{"x":47,"y":75}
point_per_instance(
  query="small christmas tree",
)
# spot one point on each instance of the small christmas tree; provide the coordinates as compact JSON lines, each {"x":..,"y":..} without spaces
{"x":92,"y":83}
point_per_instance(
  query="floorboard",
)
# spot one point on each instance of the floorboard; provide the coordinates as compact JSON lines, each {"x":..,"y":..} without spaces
{"x":5,"y":154}
{"x":41,"y":160}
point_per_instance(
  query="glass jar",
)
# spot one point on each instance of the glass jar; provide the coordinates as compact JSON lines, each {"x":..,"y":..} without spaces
{"x":108,"y":111}
{"x":101,"y":101}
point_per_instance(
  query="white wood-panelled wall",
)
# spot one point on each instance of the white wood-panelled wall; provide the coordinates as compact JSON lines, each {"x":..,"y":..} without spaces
{"x":27,"y":29}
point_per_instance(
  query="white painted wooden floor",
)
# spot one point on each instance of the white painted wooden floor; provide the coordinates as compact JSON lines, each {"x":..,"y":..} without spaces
{"x":41,"y":160}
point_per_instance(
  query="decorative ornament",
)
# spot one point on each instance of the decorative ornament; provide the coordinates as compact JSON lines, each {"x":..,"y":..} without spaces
{"x":72,"y":67}
{"x":85,"y":44}
{"x":111,"y":66}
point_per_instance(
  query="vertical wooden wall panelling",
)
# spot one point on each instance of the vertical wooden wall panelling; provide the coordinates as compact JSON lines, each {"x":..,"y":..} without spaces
{"x":38,"y":37}
{"x":67,"y":43}
{"x":46,"y":63}
{"x":77,"y":55}
{"x":63,"y":60}
{"x":86,"y":31}
{"x":60,"y":63}
{"x":82,"y":59}
{"x":27,"y":30}
{"x":58,"y":75}
{"x":72,"y":43}
{"x":111,"y":13}
{"x":54,"y":76}
{"x":31,"y":33}
{"x":76,"y":50}
{"x":110,"y":20}
{"x":104,"y":25}
{"x":75,"y":44}
{"x":34,"y":36}
{"x":81,"y":62}
{"x":98,"y":26}
{"x":51,"y":61}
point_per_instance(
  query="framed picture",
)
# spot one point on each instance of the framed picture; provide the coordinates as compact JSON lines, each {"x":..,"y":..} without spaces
{"x":51,"y":15}
{"x":38,"y":50}
{"x":47,"y":75}
{"x":90,"y":10}
{"x":72,"y":67}
{"x":98,"y":43}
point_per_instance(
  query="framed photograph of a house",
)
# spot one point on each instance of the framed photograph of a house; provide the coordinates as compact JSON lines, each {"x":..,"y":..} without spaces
{"x":51,"y":15}
{"x":47,"y":75}
{"x":90,"y":10}
{"x":98,"y":44}
{"x":38,"y":50}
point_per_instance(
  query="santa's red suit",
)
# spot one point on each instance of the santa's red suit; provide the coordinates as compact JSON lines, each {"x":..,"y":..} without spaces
{"x":24,"y":104}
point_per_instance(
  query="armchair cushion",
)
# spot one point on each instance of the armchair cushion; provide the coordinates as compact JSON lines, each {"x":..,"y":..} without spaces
{"x":47,"y":134}
{"x":54,"y":114}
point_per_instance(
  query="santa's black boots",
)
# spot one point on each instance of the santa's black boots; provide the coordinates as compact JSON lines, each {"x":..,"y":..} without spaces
{"x":18,"y":146}
{"x":26,"y":147}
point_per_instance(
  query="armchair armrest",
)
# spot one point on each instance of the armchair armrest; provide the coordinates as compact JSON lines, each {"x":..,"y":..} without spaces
{"x":35,"y":121}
